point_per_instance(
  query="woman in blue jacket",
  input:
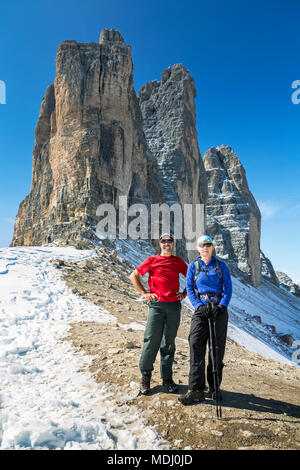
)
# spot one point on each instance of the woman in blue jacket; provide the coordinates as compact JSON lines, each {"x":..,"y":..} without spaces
{"x":209,"y":294}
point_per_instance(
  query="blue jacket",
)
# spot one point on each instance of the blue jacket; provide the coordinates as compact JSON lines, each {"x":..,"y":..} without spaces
{"x":212,"y":283}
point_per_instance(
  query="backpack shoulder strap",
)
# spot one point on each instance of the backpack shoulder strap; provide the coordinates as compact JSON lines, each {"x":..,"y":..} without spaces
{"x":197,"y":269}
{"x":218,"y":268}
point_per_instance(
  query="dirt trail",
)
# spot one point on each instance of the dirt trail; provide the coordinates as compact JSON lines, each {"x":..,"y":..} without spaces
{"x":261,"y":408}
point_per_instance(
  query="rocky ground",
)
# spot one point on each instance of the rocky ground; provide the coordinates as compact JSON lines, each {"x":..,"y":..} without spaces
{"x":260,"y":408}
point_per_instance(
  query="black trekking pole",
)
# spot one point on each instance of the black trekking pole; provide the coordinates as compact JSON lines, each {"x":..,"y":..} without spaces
{"x":214,"y":359}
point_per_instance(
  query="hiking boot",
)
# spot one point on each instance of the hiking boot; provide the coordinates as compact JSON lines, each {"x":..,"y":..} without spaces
{"x":192,"y":396}
{"x":145,"y":384}
{"x":171,"y":386}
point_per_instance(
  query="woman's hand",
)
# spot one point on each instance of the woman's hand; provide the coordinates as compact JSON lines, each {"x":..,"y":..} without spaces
{"x":204,"y":311}
{"x":219,"y":310}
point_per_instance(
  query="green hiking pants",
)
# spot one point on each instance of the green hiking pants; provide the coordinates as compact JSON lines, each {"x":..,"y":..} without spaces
{"x":160,"y":333}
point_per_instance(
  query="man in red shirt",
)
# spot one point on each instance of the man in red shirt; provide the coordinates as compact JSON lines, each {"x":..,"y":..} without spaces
{"x":164,"y":311}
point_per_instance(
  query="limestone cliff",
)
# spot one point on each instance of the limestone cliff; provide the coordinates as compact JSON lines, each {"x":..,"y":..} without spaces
{"x":285,"y":282}
{"x":89,"y":145}
{"x":233,"y":217}
{"x":267,"y":270}
{"x":168,"y":109}
{"x":95,"y":140}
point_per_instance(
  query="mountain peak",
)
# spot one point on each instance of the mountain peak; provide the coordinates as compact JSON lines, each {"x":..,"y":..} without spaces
{"x":111,"y":35}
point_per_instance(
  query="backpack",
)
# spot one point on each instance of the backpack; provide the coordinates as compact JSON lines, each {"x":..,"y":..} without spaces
{"x":198,"y":269}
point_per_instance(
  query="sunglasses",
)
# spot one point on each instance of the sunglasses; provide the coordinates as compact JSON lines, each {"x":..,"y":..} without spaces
{"x":167,"y":240}
{"x":207,"y":245}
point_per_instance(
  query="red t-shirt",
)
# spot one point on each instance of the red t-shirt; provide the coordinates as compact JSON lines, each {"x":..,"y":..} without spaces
{"x":163,"y":275}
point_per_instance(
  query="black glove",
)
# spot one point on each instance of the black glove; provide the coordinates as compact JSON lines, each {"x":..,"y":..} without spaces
{"x":204,"y":311}
{"x":218,"y":310}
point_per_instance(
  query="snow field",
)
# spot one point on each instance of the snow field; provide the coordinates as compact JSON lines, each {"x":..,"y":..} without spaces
{"x":48,"y":399}
{"x":46,"y":402}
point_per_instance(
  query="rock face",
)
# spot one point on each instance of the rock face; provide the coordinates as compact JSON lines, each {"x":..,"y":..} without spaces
{"x":233,"y":217}
{"x":168,"y":109}
{"x":267,"y":269}
{"x":95,"y":141}
{"x":89,"y":145}
{"x":285,"y":282}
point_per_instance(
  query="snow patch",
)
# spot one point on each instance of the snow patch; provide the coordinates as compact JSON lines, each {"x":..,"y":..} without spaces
{"x":47,"y":400}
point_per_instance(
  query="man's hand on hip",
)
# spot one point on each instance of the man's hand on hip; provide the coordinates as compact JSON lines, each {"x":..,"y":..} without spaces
{"x":149,"y":296}
{"x":181,"y":295}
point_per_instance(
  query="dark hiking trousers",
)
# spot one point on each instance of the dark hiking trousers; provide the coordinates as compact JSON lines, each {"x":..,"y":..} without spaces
{"x":160,"y":333}
{"x":198,"y":339}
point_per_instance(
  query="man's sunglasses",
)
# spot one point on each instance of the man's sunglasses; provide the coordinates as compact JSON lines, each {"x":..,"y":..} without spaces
{"x":207,"y":245}
{"x":167,"y":240}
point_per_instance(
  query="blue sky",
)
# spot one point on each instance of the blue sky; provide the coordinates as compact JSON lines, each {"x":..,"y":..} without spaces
{"x":243,"y":56}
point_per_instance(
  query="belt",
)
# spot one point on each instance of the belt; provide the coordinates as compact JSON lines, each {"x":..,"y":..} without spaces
{"x":207,"y":296}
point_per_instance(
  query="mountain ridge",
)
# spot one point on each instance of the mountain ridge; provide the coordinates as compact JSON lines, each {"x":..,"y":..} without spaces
{"x":96,"y":140}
